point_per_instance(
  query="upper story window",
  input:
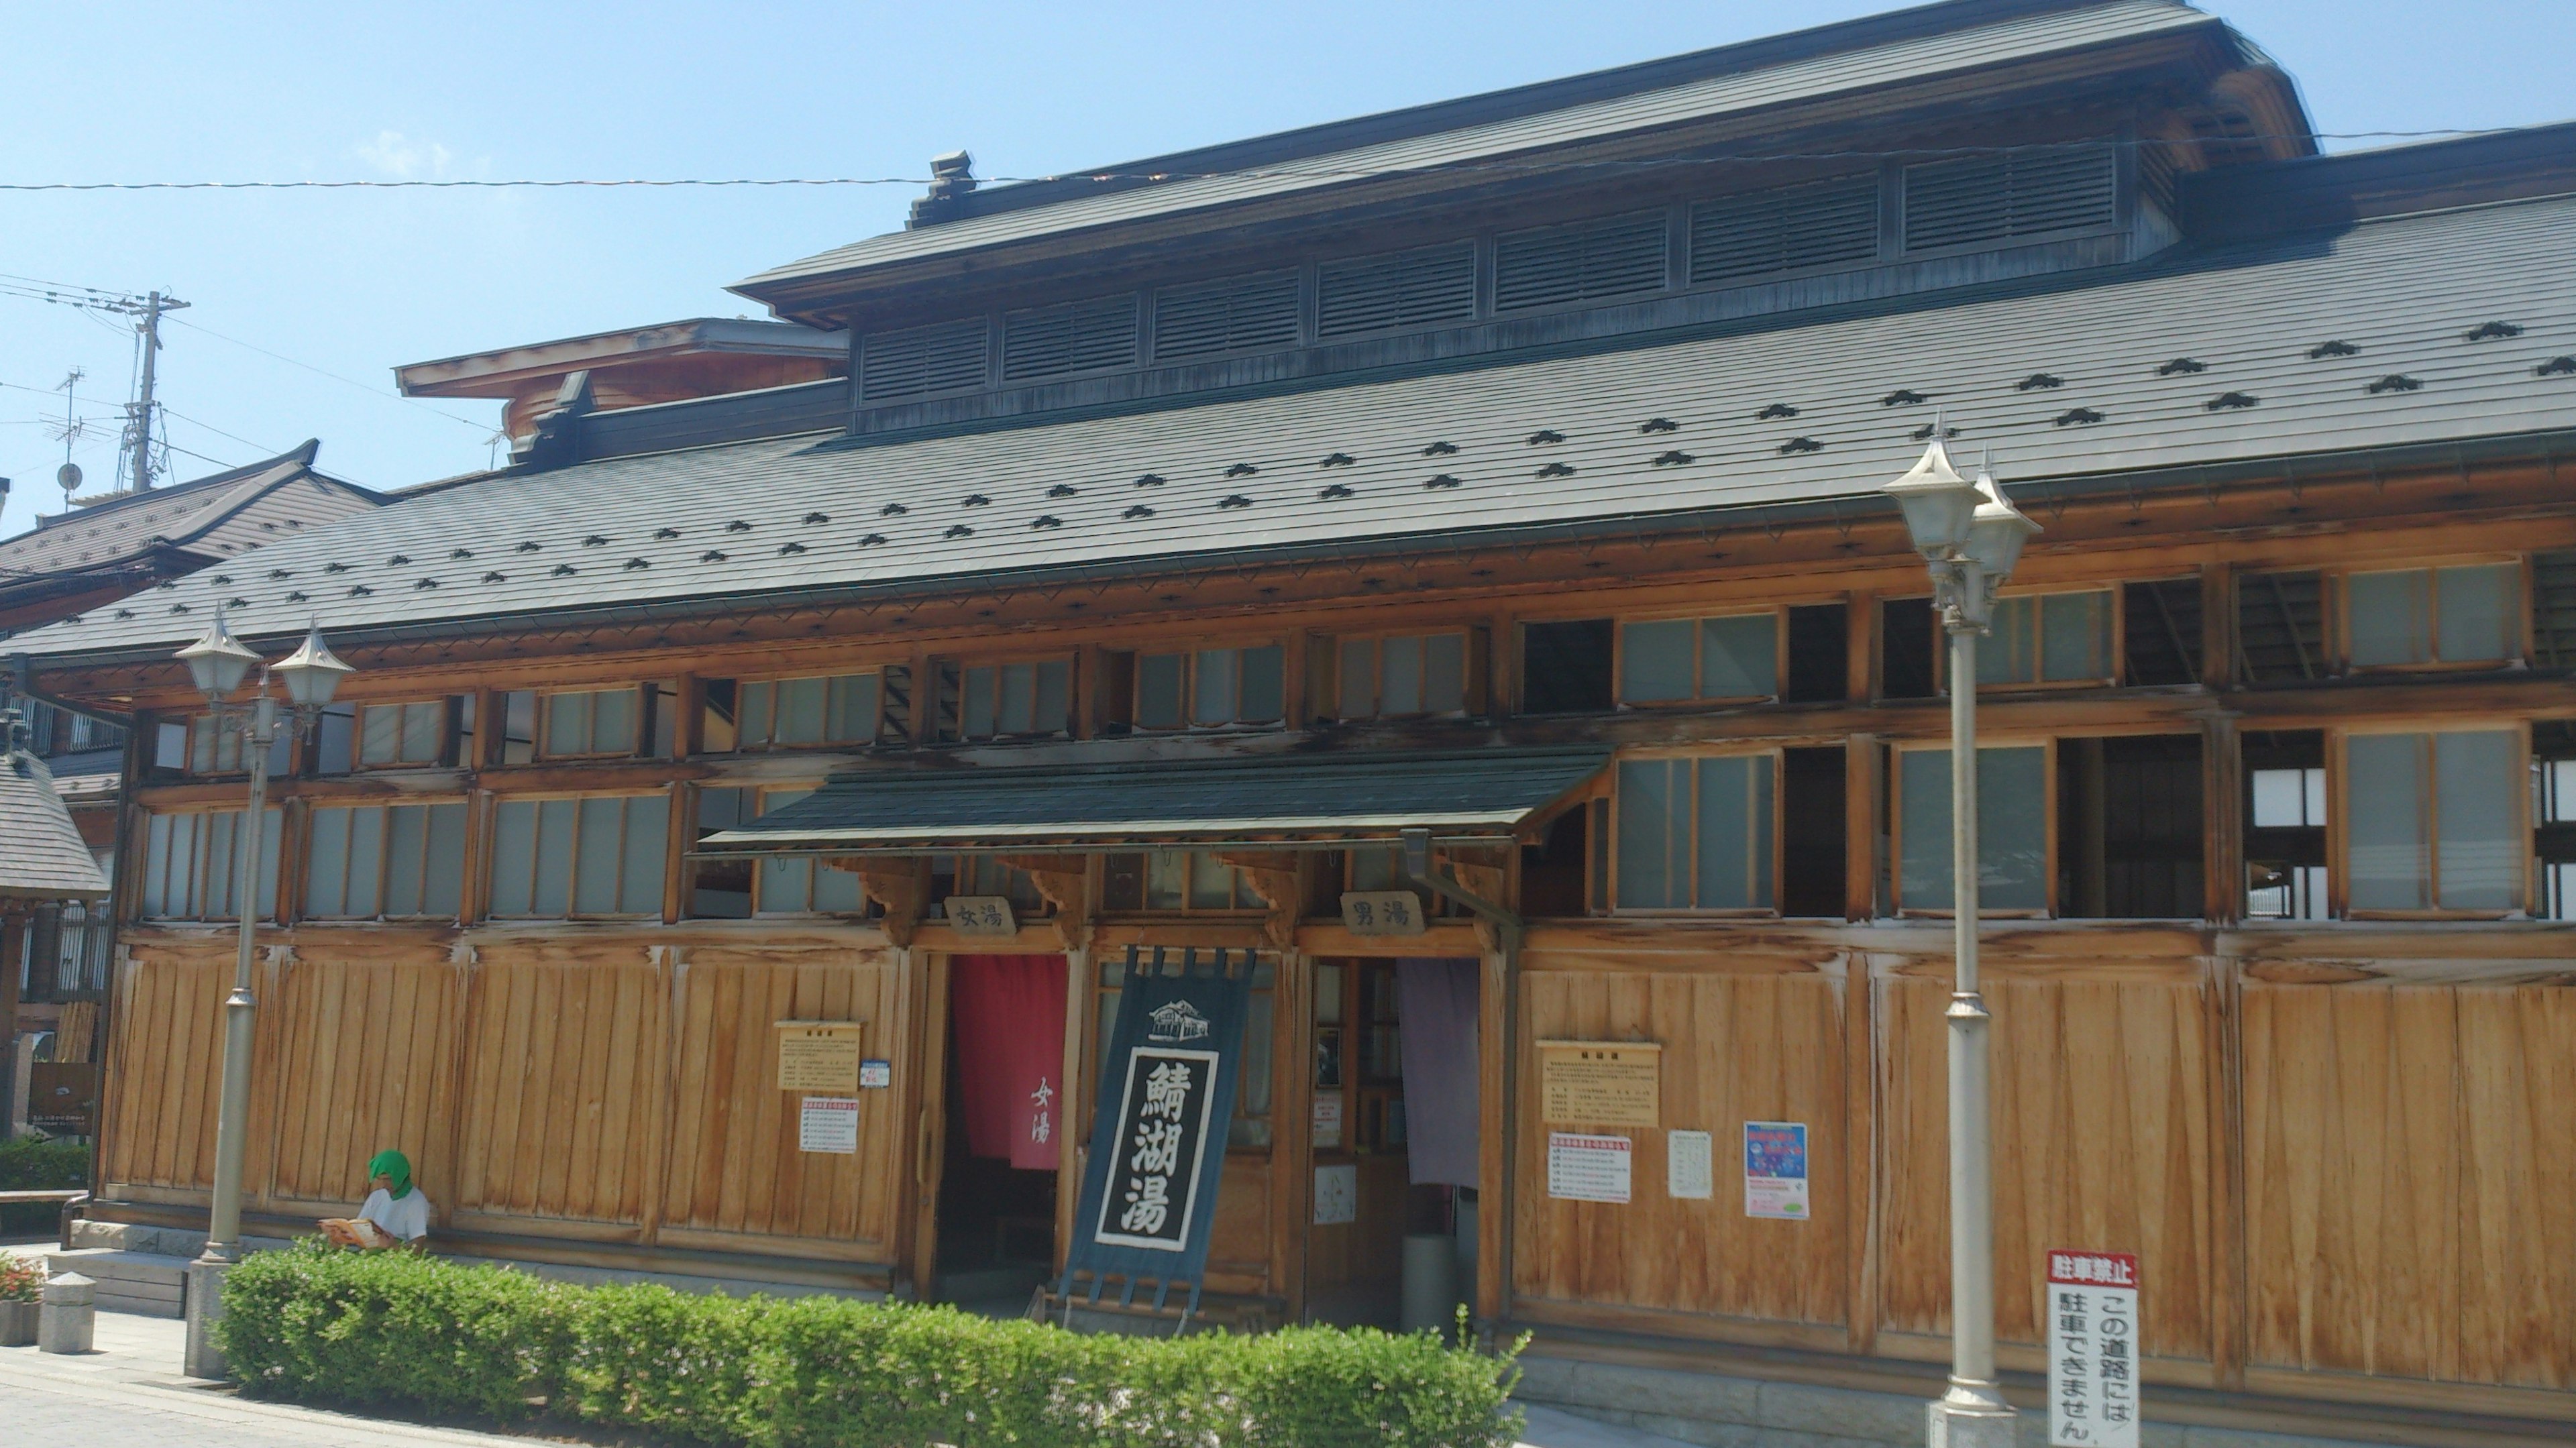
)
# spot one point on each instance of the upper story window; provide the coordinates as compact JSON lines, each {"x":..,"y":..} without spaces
{"x":2435,"y":821}
{"x":210,"y":746}
{"x":54,"y":730}
{"x":591,"y":722}
{"x":2051,"y":638}
{"x":1696,"y":833}
{"x":755,"y":714}
{"x":1184,"y":881}
{"x":392,"y":861}
{"x":1210,"y":688}
{"x":1020,"y":699}
{"x":589,"y":855}
{"x":2013,"y":805}
{"x":985,"y":875}
{"x":1797,"y":654}
{"x":1402,"y":676}
{"x":192,"y":865}
{"x":416,"y":734}
{"x":2466,"y":614}
{"x":1675,"y":660}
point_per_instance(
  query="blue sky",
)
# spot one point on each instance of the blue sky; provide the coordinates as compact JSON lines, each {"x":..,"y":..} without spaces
{"x":351,"y":284}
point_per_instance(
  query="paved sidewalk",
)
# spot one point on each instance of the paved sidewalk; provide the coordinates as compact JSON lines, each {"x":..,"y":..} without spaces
{"x":130,"y":1391}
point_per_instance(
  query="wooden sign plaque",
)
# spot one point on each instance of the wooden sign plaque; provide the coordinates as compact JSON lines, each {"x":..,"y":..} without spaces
{"x":1601,"y":1083}
{"x":820,"y":1056}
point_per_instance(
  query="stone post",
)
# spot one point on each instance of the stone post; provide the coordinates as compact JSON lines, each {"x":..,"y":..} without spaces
{"x":68,"y":1322}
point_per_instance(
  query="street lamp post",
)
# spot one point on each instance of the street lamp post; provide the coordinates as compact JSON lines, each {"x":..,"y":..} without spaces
{"x":217,"y":664}
{"x":1970,"y":537}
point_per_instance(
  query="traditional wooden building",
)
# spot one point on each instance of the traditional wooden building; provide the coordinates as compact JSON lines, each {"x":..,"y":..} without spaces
{"x":1477,"y":504}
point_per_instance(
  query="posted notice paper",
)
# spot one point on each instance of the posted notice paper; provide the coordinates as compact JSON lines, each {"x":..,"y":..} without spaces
{"x":829,"y":1123}
{"x":1690,"y":1172}
{"x":1775,"y":1169}
{"x":1586,"y":1168}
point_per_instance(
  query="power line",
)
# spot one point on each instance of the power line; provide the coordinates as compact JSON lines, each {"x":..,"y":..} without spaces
{"x":324,"y":372}
{"x":1290,"y":172}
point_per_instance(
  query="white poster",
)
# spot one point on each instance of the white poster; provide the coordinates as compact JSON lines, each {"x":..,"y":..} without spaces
{"x":1584,"y":1168}
{"x":1690,"y":1172}
{"x":829,"y":1123}
{"x":1337,"y":1195}
{"x":1328,"y":1119}
{"x":1775,"y":1169}
{"x":2092,"y":1350}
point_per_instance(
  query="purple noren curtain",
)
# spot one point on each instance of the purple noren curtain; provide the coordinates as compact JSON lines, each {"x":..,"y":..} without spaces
{"x":1437,"y":1000}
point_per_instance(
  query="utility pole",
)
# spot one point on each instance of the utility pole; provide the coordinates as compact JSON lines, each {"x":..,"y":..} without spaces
{"x":138,"y":413}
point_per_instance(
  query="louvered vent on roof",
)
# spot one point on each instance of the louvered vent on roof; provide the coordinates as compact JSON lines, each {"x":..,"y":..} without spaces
{"x":1784,"y":229}
{"x":1076,"y":337}
{"x":1417,"y":288}
{"x":1234,"y":315}
{"x":2017,"y":193}
{"x":919,"y":360}
{"x":1615,"y":257}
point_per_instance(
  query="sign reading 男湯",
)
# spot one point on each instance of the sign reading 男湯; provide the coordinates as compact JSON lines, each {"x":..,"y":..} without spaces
{"x":2092,"y":1330}
{"x":820,"y":1056}
{"x":1601,"y":1083}
{"x":1383,"y":912}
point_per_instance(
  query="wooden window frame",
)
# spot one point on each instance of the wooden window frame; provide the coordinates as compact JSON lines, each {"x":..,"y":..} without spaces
{"x":2047,"y":744}
{"x":447,"y":735}
{"x":273,"y":835}
{"x":304,"y":862}
{"x":1610,"y":842}
{"x":1145,"y":909}
{"x":1620,"y":624}
{"x":1189,"y":656}
{"x":1473,"y":684}
{"x":2118,"y":643}
{"x":490,"y":842}
{"x":2339,"y":818}
{"x":2338,"y":611}
{"x":639,"y":701}
{"x":962,"y":664}
{"x":876,"y":723}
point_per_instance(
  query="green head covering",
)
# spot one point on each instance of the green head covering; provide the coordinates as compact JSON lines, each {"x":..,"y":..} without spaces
{"x":391,"y":1164}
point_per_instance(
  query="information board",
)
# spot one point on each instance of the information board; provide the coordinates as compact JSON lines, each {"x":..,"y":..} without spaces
{"x":1601,"y":1083}
{"x":2092,"y":1349}
{"x":828,"y":1124}
{"x":1690,"y":1166}
{"x":820,"y":1056}
{"x":1587,"y":1168}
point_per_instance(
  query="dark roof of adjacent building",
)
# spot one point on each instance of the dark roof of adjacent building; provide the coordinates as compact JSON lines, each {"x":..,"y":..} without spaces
{"x":147,"y":535}
{"x":1876,"y":54}
{"x":2426,"y":331}
{"x":1486,"y":794}
{"x":42,"y":855}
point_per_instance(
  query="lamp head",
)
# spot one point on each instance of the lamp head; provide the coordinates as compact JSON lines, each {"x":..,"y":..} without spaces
{"x":312,"y":672}
{"x":1997,"y":530}
{"x":218,"y":662}
{"x":1936,"y":501}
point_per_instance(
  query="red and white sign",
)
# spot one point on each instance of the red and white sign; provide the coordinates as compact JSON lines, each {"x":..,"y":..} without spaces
{"x":2091,"y":1327}
{"x":1587,"y":1168}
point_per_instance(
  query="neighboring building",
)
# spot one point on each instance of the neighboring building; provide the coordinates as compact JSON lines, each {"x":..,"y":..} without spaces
{"x":1505,"y":468}
{"x":46,"y":867}
{"x":97,"y":553}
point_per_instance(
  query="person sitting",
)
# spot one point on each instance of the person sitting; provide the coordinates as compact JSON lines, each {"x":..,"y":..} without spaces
{"x":396,"y":1213}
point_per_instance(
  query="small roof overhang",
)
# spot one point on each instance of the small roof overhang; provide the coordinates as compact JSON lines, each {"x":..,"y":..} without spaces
{"x":1478,"y":797}
{"x":42,"y":855}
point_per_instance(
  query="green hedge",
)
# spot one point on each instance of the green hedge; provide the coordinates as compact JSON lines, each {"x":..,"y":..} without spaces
{"x":397,"y":1329}
{"x":35,"y":1164}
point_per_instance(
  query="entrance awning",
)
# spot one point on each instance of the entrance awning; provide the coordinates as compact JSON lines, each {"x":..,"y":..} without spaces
{"x":1314,"y":801}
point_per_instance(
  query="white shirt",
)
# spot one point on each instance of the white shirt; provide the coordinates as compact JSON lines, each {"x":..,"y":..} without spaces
{"x":405,"y":1219}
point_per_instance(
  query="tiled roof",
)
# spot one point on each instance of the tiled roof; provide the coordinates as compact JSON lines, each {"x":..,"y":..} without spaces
{"x":42,"y":856}
{"x":2196,"y":359}
{"x":1980,"y":37}
{"x":214,"y":516}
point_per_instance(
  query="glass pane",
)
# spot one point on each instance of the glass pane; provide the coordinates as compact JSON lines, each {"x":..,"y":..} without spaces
{"x":1264,"y":695}
{"x":2281,"y":799}
{"x":1166,"y":879}
{"x":2391,"y":614}
{"x":800,"y":711}
{"x":423,"y":728}
{"x":2012,"y":828}
{"x":568,"y":724}
{"x":379,"y":734}
{"x":837,"y":892}
{"x":977,"y":716}
{"x":1017,"y":711}
{"x":1253,"y":1096}
{"x":1923,"y":851}
{"x":554,"y":859}
{"x":220,"y":848}
{"x":326,"y":862}
{"x":648,"y":820}
{"x":2479,"y":841}
{"x":1158,"y":691}
{"x":514,"y":844}
{"x":853,"y":711}
{"x":757,"y":708}
{"x":1651,"y":832}
{"x":1054,"y":713}
{"x":786,"y":886}
{"x":2384,"y":801}
{"x":1212,"y":700}
{"x":333,"y":747}
{"x":406,"y":851}
{"x":1401,"y":687}
{"x":2075,"y":637}
{"x":156,"y":866}
{"x":2008,"y":652}
{"x":2479,"y":608}
{"x":444,"y":890}
{"x":1739,"y":657}
{"x":1655,"y":661}
{"x":612,"y":721}
{"x":1444,"y":674}
{"x":366,"y":860}
{"x":1735,"y":833}
{"x":1378,"y":869}
{"x":1211,"y":883}
{"x":1359,"y":679}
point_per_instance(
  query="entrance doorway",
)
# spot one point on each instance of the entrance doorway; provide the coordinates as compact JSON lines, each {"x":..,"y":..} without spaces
{"x":1392,"y":1140}
{"x":1004,"y":1091}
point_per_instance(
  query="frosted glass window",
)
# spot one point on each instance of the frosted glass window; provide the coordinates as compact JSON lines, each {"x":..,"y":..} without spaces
{"x":2289,"y":799}
{"x":1005,"y":701}
{"x":2385,"y":821}
{"x":601,"y":855}
{"x":2434,"y":821}
{"x":399,"y":734}
{"x":2012,"y":829}
{"x":2480,"y":845}
{"x":404,"y":860}
{"x":1739,"y":657}
{"x":2467,"y":614}
{"x":2392,"y":616}
{"x":1655,"y":661}
{"x":192,"y":864}
{"x":1215,"y":686}
{"x":216,"y":748}
{"x":1406,"y":675}
{"x":591,"y":721}
{"x":2055,"y":638}
{"x":1664,"y":661}
{"x":800,"y":711}
{"x":1167,"y":877}
{"x":1401,"y":683}
{"x":1695,"y":833}
{"x":1211,"y":883}
{"x":790,"y":886}
{"x":2478,"y":612}
{"x":1158,"y":690}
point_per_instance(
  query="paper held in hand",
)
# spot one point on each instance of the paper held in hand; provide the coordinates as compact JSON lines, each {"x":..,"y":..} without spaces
{"x":355,"y":1232}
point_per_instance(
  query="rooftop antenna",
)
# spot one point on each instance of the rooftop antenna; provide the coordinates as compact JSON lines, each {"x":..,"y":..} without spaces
{"x":69,"y":432}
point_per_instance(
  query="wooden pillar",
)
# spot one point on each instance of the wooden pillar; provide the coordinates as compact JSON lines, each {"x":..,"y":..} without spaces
{"x":2217,"y":625}
{"x":14,"y":946}
{"x":2222,"y":813}
{"x":1864,"y":782}
{"x":1860,"y":1155}
{"x":1860,"y":648}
